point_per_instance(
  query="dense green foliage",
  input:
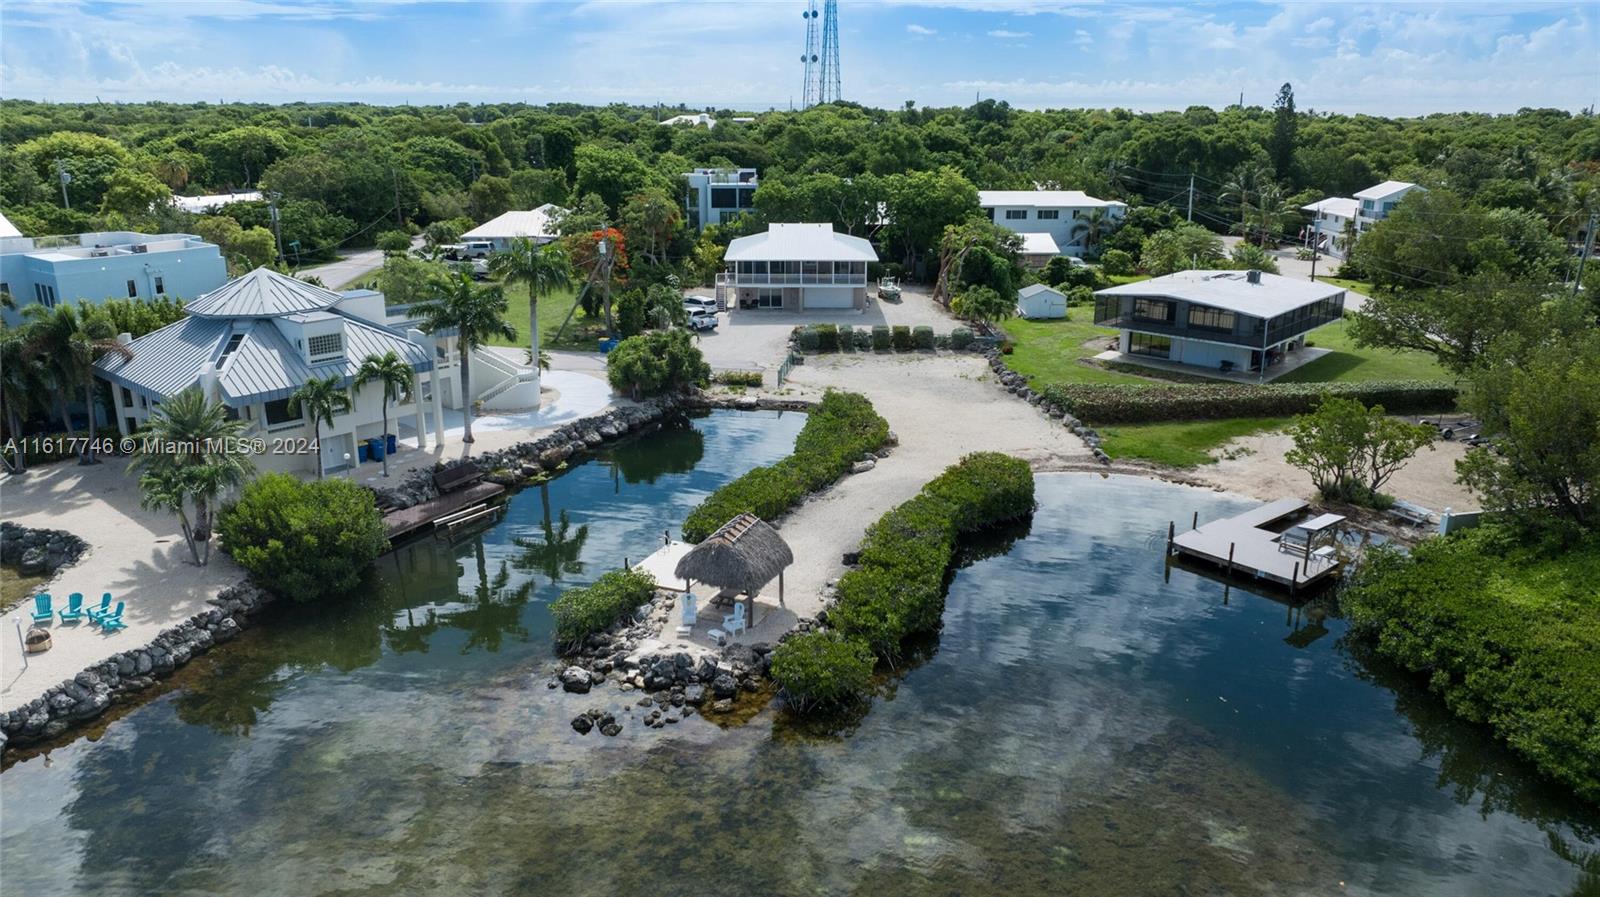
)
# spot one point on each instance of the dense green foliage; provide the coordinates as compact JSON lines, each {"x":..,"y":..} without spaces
{"x":656,"y":362}
{"x":1351,"y":450}
{"x":739,"y":378}
{"x":305,"y":541}
{"x":898,"y":588}
{"x":594,"y":608}
{"x":841,"y":429}
{"x":821,"y":670}
{"x":1113,"y":403}
{"x":1505,"y":635}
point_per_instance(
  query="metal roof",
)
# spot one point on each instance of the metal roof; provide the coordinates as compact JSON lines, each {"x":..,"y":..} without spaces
{"x":263,"y":293}
{"x":1039,"y":244}
{"x":1045,"y":199}
{"x":1034,"y":289}
{"x":264,"y":367}
{"x":800,"y":243}
{"x":538,"y":223}
{"x":1342,"y":206}
{"x":1385,"y":189}
{"x":1232,"y":291}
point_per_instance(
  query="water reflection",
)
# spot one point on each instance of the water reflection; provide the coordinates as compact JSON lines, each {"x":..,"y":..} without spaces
{"x":1079,"y":726}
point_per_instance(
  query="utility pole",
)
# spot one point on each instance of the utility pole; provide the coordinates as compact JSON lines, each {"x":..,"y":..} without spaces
{"x":1315,"y":246}
{"x":65,"y":178}
{"x":1588,"y":247}
{"x":1190,"y":215}
{"x":277,"y":231}
{"x":395,"y":177}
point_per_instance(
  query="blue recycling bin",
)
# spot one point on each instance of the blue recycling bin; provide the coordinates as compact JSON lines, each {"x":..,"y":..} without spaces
{"x":375,"y":448}
{"x":361,"y":453}
{"x":393,"y":443}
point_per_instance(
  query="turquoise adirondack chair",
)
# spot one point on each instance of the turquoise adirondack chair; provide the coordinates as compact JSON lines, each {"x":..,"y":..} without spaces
{"x":73,"y":612}
{"x":113,"y":621}
{"x":95,"y":613}
{"x":41,"y":608}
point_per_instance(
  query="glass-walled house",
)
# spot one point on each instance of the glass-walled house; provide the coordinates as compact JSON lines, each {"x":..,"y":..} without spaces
{"x":1217,"y":322}
{"x":718,"y":195}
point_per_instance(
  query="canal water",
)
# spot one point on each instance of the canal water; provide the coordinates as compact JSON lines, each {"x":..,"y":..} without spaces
{"x":1086,"y":723}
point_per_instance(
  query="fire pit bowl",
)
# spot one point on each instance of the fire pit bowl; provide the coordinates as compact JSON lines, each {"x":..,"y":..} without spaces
{"x":37,"y":640}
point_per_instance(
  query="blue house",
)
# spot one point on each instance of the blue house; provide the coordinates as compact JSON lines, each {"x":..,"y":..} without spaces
{"x":112,"y":264}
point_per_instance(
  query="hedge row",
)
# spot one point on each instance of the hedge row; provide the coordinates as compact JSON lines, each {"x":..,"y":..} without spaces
{"x":881,"y":338}
{"x":594,"y":608}
{"x":1506,"y":636}
{"x":1106,"y":403}
{"x":841,"y":429}
{"x":897,"y":589}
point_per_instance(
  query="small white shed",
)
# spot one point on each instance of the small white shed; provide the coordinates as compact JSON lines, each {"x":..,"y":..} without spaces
{"x":1040,"y":301}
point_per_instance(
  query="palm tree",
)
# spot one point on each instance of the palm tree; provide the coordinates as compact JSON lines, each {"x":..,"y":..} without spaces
{"x":1092,"y":227}
{"x":1272,"y":213}
{"x":71,"y":339}
{"x":544,"y":270}
{"x":395,"y":374}
{"x":22,"y":380}
{"x":1241,"y":185}
{"x":321,"y":398}
{"x":477,"y":313}
{"x":195,"y":453}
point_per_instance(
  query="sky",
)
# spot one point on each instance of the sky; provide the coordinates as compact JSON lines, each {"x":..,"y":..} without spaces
{"x":1378,"y":58}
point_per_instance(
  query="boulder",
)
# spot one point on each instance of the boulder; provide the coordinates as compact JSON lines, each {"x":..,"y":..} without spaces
{"x":582,"y":724}
{"x":724,"y":686}
{"x":862,"y":466}
{"x":576,"y":679}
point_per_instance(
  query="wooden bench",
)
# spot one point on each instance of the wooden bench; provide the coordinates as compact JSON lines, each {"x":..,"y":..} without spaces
{"x":457,"y":477}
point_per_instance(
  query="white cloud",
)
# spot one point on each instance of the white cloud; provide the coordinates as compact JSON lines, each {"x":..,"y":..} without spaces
{"x":1003,"y":34}
{"x":1083,"y":38}
{"x":919,"y":29}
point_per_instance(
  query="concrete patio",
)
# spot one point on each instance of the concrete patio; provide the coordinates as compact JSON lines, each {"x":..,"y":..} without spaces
{"x":1299,"y":358}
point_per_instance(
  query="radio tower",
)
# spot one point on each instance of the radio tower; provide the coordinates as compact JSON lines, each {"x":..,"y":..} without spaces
{"x":809,"y":57}
{"x":828,"y":72}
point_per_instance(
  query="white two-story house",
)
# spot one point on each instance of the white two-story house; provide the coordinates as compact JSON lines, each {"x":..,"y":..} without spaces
{"x":1329,"y":231}
{"x":796,"y":267}
{"x":1068,"y":217}
{"x":1379,"y":200}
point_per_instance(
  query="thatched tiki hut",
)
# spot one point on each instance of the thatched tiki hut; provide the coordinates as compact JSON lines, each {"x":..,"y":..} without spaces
{"x":743,"y":555}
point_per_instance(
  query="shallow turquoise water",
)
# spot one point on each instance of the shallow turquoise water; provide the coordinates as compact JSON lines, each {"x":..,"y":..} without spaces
{"x":1081,"y":726}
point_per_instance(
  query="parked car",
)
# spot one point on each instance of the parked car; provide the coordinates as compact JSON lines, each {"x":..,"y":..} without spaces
{"x":702,"y":320}
{"x":477,"y":249}
{"x":1076,"y":262}
{"x":693,"y":304}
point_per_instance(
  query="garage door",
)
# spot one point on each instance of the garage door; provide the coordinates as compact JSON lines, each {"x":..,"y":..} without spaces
{"x":829,"y":297}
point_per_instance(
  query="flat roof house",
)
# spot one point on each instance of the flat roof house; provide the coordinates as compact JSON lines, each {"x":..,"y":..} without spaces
{"x":1063,"y":215}
{"x":1239,"y":325}
{"x":718,"y":195}
{"x":251,"y":343}
{"x":797,"y":267}
{"x":538,"y":225}
{"x":106,"y":265}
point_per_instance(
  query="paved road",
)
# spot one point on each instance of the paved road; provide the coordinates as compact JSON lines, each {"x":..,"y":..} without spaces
{"x":1289,"y":266}
{"x":349,"y":267}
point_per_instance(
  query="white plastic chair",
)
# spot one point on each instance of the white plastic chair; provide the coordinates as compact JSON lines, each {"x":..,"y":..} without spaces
{"x":734,"y":623}
{"x":690,"y":612}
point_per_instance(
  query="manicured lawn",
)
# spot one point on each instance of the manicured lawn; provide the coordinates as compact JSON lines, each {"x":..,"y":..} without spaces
{"x":1050,"y":351}
{"x":581,"y":333}
{"x":1182,"y":444}
{"x":1359,"y":286}
{"x":1350,"y":363}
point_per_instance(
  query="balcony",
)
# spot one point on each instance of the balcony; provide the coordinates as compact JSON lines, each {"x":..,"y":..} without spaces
{"x":729,"y":278}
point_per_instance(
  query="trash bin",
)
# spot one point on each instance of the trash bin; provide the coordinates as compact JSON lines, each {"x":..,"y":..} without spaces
{"x":606,"y":345}
{"x":375,"y":448}
{"x":361,"y":453}
{"x":392,"y":443}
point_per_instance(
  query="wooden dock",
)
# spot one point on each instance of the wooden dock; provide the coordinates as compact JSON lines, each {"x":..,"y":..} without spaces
{"x":1254,"y":544}
{"x":405,"y":521}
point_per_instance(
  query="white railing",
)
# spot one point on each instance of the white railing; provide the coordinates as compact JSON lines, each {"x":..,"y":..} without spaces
{"x":774,"y":280}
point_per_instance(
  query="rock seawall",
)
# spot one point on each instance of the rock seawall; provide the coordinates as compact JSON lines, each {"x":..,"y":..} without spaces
{"x":1017,"y":385}
{"x":90,"y":693}
{"x":39,"y":552}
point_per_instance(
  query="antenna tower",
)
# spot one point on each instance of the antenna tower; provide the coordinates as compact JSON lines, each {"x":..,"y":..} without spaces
{"x":828,"y":72}
{"x":809,"y":57}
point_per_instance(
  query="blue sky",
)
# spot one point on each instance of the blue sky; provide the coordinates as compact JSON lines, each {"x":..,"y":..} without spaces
{"x":1386,"y":58}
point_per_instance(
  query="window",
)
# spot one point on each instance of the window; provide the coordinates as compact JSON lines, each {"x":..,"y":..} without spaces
{"x":133,"y":290}
{"x":277,"y":414}
{"x":1016,"y":214}
{"x":725,"y":197}
{"x":1158,"y":310}
{"x":1153,"y":346}
{"x":1049,"y":214}
{"x":989,"y":214}
{"x":324,"y":344}
{"x":769,"y":298}
{"x":161,"y":287}
{"x":1210,"y":318}
{"x":233,"y":343}
{"x":127,"y":397}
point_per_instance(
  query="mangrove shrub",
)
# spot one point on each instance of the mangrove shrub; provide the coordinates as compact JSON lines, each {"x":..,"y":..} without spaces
{"x":303,"y":540}
{"x":594,"y":608}
{"x":822,"y":670}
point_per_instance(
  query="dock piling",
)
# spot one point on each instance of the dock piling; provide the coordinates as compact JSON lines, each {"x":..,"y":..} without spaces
{"x":1195,"y":524}
{"x":1231,"y":546}
{"x":1294,"y":578}
{"x":1172,"y":530}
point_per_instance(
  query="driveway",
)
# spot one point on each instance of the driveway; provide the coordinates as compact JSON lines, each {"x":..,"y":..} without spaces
{"x":755,"y":339}
{"x":335,"y":275}
{"x":1289,"y":266}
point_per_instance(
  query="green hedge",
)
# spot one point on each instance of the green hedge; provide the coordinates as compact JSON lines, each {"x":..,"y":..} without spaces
{"x":898,"y":588}
{"x":307,"y":541}
{"x":900,"y":337}
{"x":827,"y":337}
{"x":1107,"y":403}
{"x":960,"y":338}
{"x":881,"y":339}
{"x":922,"y":336}
{"x":594,"y":608}
{"x":1507,"y":637}
{"x":837,"y":433}
{"x":822,"y":670}
{"x":737,"y":378}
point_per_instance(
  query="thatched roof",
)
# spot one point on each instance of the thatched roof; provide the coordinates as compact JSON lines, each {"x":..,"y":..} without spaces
{"x":744,"y":554}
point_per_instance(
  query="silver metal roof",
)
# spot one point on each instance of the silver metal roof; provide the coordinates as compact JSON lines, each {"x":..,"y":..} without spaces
{"x":263,"y":293}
